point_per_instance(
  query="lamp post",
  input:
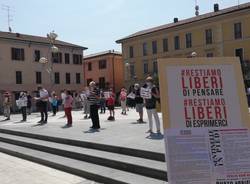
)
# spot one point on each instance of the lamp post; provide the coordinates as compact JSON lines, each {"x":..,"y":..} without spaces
{"x":127,"y":65}
{"x":44,"y":61}
{"x":193,"y":54}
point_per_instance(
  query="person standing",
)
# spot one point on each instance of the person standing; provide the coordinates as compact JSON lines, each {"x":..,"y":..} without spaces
{"x":63,"y":96}
{"x":68,"y":104}
{"x":43,"y":104}
{"x":93,"y":102}
{"x":7,"y":105}
{"x":29,"y":103}
{"x":111,"y":105}
{"x":78,"y":101}
{"x":23,"y":101}
{"x":102,"y":102}
{"x":138,"y":102}
{"x":150,"y":104}
{"x":123,"y":100}
{"x":85,"y":103}
{"x":54,"y":103}
{"x":131,"y":97}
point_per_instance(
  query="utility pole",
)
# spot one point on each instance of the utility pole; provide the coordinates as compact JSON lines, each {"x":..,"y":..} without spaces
{"x":9,"y":16}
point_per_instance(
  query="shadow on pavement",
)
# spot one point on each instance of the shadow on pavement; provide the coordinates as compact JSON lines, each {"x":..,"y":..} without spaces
{"x":155,"y":136}
{"x":66,"y":126}
{"x":91,"y":130}
{"x":16,"y":122}
{"x":38,"y":124}
{"x":108,"y":121}
{"x":139,"y":123}
{"x":4,"y":120}
{"x":85,"y":119}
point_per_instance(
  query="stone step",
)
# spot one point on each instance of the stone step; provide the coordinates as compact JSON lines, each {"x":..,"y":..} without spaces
{"x":84,"y":169}
{"x":85,"y":144}
{"x":146,"y":167}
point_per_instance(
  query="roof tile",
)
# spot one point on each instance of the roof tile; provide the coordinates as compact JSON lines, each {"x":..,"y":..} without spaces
{"x":37,"y":39}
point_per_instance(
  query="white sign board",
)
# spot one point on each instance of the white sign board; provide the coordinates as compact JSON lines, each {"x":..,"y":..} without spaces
{"x":131,"y":95}
{"x":200,"y":156}
{"x":206,"y":121}
{"x":106,"y":94}
{"x":204,"y":95}
{"x":146,"y":93}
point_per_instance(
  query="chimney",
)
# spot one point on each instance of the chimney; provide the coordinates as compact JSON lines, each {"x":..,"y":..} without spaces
{"x":175,"y":20}
{"x":216,"y":7}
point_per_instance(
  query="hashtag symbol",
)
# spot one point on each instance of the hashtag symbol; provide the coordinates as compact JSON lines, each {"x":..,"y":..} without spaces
{"x":185,"y":102}
{"x":182,"y":72}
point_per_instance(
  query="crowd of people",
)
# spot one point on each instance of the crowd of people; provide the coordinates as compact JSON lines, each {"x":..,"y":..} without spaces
{"x":92,"y":99}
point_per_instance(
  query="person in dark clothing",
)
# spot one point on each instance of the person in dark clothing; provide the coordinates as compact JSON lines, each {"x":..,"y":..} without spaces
{"x":29,"y":103}
{"x":93,"y":99}
{"x":130,"y":101}
{"x":23,"y":105}
{"x":139,"y":102}
{"x":42,"y":102}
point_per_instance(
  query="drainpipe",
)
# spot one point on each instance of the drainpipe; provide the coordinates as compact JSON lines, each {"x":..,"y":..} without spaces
{"x":84,"y":76}
{"x":113,"y":71}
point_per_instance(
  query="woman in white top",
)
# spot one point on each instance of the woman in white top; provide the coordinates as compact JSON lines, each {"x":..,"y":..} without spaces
{"x":63,"y":97}
{"x":84,"y":98}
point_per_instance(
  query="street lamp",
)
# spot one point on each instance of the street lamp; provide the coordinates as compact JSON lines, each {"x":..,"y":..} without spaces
{"x":127,"y":65}
{"x":54,"y":49}
{"x":52,"y":39}
{"x":193,"y":54}
{"x":52,"y":36}
{"x":43,"y":60}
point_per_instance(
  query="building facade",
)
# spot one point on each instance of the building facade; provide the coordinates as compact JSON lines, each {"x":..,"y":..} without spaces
{"x":105,"y":68}
{"x":220,"y":33}
{"x":21,"y":70}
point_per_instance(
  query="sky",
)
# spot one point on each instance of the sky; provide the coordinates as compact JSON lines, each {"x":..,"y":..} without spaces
{"x":97,"y":24}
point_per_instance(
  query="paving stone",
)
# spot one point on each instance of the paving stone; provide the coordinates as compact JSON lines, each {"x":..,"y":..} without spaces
{"x":16,"y":171}
{"x":123,"y":132}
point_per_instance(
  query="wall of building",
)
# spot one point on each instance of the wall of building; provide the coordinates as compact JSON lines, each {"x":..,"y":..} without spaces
{"x":119,"y":73}
{"x":113,"y":73}
{"x":29,"y":67}
{"x":223,"y":44}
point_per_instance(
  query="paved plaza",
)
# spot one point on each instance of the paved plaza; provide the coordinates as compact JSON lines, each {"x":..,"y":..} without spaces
{"x":124,"y":131}
{"x":18,"y":171}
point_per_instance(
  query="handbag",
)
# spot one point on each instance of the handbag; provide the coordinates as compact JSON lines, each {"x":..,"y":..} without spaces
{"x":19,"y":104}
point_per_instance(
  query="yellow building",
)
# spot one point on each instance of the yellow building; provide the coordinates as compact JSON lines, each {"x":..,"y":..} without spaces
{"x":220,"y":33}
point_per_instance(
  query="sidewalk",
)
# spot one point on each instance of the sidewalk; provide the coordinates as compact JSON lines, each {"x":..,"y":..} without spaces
{"x":124,"y":132}
{"x":16,"y":171}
